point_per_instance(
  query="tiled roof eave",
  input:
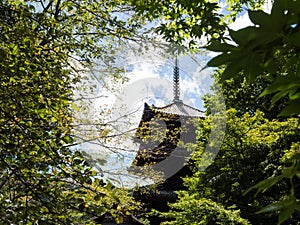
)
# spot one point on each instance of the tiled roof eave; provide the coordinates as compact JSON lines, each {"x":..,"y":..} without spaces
{"x":174,"y":109}
{"x":170,"y":113}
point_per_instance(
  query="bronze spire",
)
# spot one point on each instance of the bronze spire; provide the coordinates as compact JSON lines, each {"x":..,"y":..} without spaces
{"x":176,"y":87}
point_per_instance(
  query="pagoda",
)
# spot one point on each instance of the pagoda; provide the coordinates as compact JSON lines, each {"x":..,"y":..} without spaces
{"x":163,"y":135}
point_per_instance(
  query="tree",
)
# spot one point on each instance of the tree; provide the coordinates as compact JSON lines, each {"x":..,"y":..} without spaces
{"x":251,"y":152}
{"x":244,"y":96}
{"x":43,"y":180}
{"x":192,"y":23}
{"x":269,"y":48}
{"x":201,"y":211}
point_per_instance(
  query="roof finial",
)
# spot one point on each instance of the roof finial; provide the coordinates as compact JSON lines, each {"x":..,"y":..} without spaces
{"x":176,"y":87}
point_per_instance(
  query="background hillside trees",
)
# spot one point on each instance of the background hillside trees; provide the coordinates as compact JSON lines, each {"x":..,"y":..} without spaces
{"x":252,"y":151}
{"x":245,"y":96}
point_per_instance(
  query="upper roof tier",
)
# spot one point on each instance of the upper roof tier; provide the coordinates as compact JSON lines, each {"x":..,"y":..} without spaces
{"x":180,"y":109}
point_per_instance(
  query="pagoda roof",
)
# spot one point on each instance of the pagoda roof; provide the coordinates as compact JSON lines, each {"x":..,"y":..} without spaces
{"x":180,"y":109}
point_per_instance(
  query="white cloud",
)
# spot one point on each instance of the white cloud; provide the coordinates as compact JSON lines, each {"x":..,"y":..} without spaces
{"x":244,"y":21}
{"x":268,"y":6}
{"x":241,"y":22}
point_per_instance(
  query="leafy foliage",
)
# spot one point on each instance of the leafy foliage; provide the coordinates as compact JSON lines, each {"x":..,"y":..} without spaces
{"x":43,"y":181}
{"x":187,"y":22}
{"x":202,"y":211}
{"x":251,"y":152}
{"x":272,"y":46}
{"x":245,"y":96}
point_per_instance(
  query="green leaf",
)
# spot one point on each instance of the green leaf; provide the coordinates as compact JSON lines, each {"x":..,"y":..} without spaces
{"x":294,"y":96}
{"x":297,"y":205}
{"x":284,"y":83}
{"x":260,"y":18}
{"x":292,"y":108}
{"x":12,"y":80}
{"x":15,"y":49}
{"x":278,"y":206}
{"x":232,"y":70}
{"x":286,"y":213}
{"x":264,"y":185}
{"x":220,"y":60}
{"x":243,"y":36}
{"x":252,"y":67}
{"x":294,"y":39}
{"x":288,"y":172}
{"x":278,"y":96}
{"x":217,"y":46}
{"x":279,"y":8}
